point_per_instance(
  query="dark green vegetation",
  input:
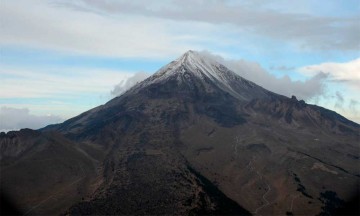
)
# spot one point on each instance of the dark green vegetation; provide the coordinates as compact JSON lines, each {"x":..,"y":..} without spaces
{"x":331,"y":202}
{"x":192,"y":139}
{"x":301,"y":187}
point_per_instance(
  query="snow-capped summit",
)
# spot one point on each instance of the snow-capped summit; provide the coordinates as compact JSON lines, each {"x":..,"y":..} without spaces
{"x":200,"y":72}
{"x":191,"y":62}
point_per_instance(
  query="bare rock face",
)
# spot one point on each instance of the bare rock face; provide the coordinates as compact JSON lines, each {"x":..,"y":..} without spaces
{"x":194,"y":138}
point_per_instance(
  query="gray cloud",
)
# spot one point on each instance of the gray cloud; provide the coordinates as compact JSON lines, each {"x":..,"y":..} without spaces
{"x":45,"y":26}
{"x":339,"y":100}
{"x":15,"y":119}
{"x":124,"y":85}
{"x":309,"y":31}
{"x":282,"y":68}
{"x":253,"y":71}
{"x":353,"y":104}
{"x":344,"y":72}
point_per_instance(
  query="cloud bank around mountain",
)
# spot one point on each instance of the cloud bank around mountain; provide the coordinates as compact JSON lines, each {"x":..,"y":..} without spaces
{"x":310,"y":88}
{"x":314,"y":86}
{"x":126,"y":84}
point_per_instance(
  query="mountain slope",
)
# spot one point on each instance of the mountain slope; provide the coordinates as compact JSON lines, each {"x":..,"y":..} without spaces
{"x":44,"y":172}
{"x":197,"y":138}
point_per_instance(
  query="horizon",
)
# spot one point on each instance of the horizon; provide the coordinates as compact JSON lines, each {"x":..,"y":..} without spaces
{"x":60,"y":58}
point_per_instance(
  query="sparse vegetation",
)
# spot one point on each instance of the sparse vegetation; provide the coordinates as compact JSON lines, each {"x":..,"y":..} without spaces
{"x":331,"y":202}
{"x":301,"y":188}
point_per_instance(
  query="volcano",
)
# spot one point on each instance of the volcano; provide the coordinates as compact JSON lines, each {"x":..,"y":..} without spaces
{"x":194,"y":138}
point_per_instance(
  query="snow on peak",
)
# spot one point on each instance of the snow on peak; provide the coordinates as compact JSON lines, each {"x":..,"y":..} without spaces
{"x":191,"y":61}
{"x":190,"y":55}
{"x":202,"y":65}
{"x":198,"y":64}
{"x":194,"y":58}
{"x":204,"y":68}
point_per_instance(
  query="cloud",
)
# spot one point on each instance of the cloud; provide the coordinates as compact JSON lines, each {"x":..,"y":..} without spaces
{"x":15,"y":119}
{"x":282,"y":68}
{"x":347,"y":72}
{"x":64,"y":91}
{"x":316,"y":89}
{"x":252,"y":71}
{"x":312,"y":87}
{"x":306,"y":29}
{"x":124,"y":85}
{"x":353,"y":104}
{"x":38,"y":24}
{"x":54,"y":83}
{"x":339,"y":100}
{"x":129,"y":29}
{"x":344,"y":79}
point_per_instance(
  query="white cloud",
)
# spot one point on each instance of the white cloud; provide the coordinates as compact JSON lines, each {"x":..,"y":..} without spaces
{"x":348,"y":72}
{"x":318,"y":88}
{"x":23,"y":83}
{"x":124,"y":85}
{"x":64,"y":110}
{"x":47,"y":26}
{"x":312,"y":87}
{"x":15,"y":119}
{"x":307,"y":29}
{"x":345,"y":79}
{"x":159,"y":30}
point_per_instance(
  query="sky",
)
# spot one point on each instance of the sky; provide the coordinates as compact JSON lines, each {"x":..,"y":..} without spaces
{"x":60,"y":58}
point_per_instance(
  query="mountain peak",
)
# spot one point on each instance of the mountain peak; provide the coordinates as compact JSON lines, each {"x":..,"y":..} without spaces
{"x":194,"y":59}
{"x":190,"y":52}
{"x":190,"y":55}
{"x":191,"y":62}
{"x":194,"y":69}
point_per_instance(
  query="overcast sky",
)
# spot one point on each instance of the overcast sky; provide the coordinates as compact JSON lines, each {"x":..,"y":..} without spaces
{"x":60,"y":58}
